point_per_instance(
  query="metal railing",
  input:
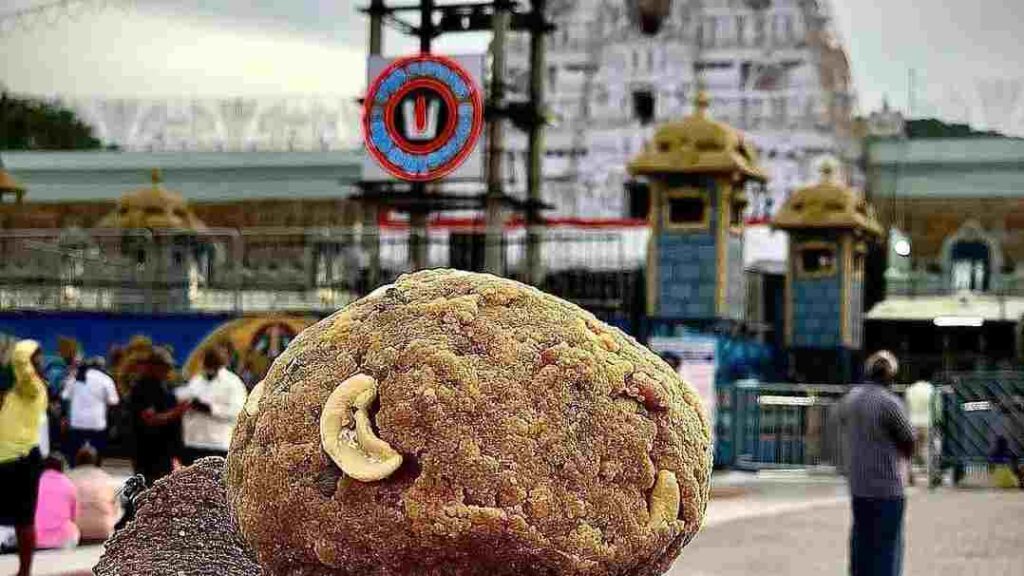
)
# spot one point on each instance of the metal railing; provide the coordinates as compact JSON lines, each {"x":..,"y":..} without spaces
{"x":982,"y":420}
{"x":782,"y":425}
{"x":978,"y":420}
{"x":245,"y":270}
{"x":923,"y":284}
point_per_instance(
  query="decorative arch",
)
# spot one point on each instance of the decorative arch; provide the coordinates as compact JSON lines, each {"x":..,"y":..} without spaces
{"x":971,"y":242}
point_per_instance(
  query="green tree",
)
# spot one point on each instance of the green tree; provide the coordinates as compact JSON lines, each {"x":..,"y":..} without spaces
{"x":932,"y":128}
{"x":30,"y":124}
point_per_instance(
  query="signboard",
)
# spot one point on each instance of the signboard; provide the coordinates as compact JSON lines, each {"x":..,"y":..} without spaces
{"x":698,"y":364}
{"x":422,"y":117}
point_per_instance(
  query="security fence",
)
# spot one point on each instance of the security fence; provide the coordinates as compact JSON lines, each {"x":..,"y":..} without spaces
{"x":307,"y":269}
{"x":977,"y":421}
{"x":781,"y":425}
{"x":981,"y":421}
{"x":921,"y":283}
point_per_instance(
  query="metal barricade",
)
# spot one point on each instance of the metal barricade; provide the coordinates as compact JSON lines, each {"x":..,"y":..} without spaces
{"x":981,"y":421}
{"x":782,"y":425}
{"x":308,"y":269}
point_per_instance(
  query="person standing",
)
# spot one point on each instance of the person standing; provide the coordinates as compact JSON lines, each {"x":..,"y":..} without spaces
{"x":58,"y":371}
{"x":880,"y":441}
{"x":89,"y":395}
{"x":22,"y":408}
{"x":918,"y":397}
{"x":217,"y":395}
{"x":57,"y":509}
{"x":156,"y":417}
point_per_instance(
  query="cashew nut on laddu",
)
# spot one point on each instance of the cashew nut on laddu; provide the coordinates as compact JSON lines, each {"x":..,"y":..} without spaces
{"x":347,"y":436}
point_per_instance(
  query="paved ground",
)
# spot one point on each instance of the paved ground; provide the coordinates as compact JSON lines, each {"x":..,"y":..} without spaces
{"x":949,"y":532}
{"x":797,"y":525}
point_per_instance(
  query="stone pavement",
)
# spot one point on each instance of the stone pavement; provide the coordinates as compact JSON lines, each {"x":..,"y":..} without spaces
{"x":794,"y":525}
{"x":949,"y":532}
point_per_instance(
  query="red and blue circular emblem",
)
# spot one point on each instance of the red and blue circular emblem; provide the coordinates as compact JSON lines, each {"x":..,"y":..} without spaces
{"x":422,"y":117}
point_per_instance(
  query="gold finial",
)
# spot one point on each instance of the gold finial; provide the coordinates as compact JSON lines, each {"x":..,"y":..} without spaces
{"x":156,"y":176}
{"x":828,"y":171}
{"x":702,"y":102}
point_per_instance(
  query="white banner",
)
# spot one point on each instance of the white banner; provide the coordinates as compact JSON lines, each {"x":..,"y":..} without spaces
{"x":698,"y":365}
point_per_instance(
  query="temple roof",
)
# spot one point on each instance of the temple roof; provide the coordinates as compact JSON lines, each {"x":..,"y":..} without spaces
{"x":828,"y":205}
{"x":698,"y":145}
{"x":152,"y":207}
{"x":87,"y":175}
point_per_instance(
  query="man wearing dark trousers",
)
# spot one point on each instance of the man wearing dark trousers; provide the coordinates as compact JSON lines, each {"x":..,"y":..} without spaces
{"x":880,"y":442}
{"x":156,"y":417}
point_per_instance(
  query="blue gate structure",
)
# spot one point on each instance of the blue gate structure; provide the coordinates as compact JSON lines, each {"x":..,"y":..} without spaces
{"x":978,"y":419}
{"x":982,"y":419}
{"x":784,"y":425}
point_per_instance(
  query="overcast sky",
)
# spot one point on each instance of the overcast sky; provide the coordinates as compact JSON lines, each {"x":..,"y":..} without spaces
{"x":967,"y":55}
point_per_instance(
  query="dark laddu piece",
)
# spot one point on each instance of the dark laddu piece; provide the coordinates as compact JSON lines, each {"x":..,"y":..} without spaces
{"x":131,"y":490}
{"x":182,"y":526}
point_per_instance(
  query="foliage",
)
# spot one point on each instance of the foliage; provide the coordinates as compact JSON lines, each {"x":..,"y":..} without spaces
{"x":925,"y":128}
{"x":29,"y":124}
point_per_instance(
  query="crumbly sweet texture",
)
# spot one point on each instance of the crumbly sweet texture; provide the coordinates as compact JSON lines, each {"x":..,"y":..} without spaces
{"x":182,"y":526}
{"x":531,"y":434}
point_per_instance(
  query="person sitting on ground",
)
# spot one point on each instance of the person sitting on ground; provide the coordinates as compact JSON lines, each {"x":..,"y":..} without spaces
{"x":1004,"y":467}
{"x":98,"y":510}
{"x":673,"y":360}
{"x":57,"y":508}
{"x":217,"y":396}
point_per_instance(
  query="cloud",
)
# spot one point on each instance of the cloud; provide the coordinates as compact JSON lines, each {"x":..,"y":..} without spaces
{"x":279,"y":47}
{"x":151,"y":53}
{"x":952,"y":46}
{"x":338,"y":20}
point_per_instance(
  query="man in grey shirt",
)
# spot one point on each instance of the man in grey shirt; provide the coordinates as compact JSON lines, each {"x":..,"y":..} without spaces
{"x":879,"y":441}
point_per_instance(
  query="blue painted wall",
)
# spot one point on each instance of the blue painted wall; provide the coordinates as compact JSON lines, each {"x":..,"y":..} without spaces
{"x":687,"y":273}
{"x":817,"y":306}
{"x":96,"y":333}
{"x":816,"y":312}
{"x":688,"y":268}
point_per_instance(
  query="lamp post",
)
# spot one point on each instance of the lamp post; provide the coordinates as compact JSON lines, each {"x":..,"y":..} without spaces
{"x":534,"y":169}
{"x":494,"y":219}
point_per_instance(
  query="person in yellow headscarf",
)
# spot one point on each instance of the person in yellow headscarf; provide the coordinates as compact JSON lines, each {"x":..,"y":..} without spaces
{"x":21,"y":414}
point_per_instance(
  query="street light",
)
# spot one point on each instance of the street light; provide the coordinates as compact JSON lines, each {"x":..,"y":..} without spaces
{"x":902,"y":247}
